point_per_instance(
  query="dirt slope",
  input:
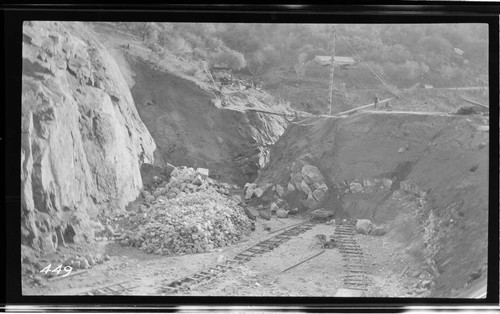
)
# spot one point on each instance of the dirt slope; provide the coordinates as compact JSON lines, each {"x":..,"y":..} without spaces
{"x":439,"y":163}
{"x":189,"y":130}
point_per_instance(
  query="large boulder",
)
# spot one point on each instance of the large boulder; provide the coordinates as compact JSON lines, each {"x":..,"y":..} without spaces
{"x":281,"y":213}
{"x":296,"y":179}
{"x":203,"y":172}
{"x":305,"y":188}
{"x":312,"y":174}
{"x":378,"y":230}
{"x":311,"y":202}
{"x":258,"y":192}
{"x":249,"y":190}
{"x":364,"y":226}
{"x":280,"y":190}
{"x":319,"y":195}
{"x":274,"y":207}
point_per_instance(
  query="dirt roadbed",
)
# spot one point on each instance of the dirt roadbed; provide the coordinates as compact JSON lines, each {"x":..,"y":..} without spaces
{"x":264,"y":275}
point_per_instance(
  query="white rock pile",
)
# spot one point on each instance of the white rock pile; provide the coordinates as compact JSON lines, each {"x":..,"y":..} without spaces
{"x":190,"y":214}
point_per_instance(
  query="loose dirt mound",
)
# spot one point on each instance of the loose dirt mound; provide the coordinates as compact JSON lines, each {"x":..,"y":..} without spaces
{"x":441,"y":162}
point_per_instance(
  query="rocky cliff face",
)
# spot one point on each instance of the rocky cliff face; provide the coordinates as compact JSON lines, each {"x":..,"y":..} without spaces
{"x":82,"y":139}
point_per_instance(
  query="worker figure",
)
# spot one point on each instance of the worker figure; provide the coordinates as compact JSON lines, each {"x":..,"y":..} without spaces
{"x":375,"y":100}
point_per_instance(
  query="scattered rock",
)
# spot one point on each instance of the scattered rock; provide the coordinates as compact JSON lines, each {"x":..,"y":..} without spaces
{"x":364,"y":226}
{"x":266,"y":227}
{"x":76,"y":264}
{"x":38,"y":279}
{"x":319,"y":195}
{"x":322,"y":213}
{"x":356,"y":187}
{"x":387,"y":183}
{"x":203,"y":172}
{"x":266,"y":214}
{"x":84,"y":263}
{"x":236,"y":198}
{"x":249,"y":190}
{"x":311,"y":202}
{"x":198,"y":181}
{"x":378,"y":230}
{"x":296,"y":179}
{"x":258,"y":192}
{"x":295,"y":167}
{"x":169,"y":168}
{"x":305,"y":188}
{"x":281,"y":213}
{"x":280,"y":190}
{"x":125,"y":242}
{"x":290,"y":187}
{"x":426,"y":284}
{"x":312,"y":174}
{"x":331,"y":222}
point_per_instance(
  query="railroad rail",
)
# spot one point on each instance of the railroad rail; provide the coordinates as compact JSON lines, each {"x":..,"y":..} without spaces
{"x":171,"y":287}
{"x":352,"y":256}
{"x":121,"y":288}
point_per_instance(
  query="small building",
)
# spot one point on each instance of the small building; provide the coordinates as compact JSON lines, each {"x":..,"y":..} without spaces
{"x":459,"y":51}
{"x":222,"y":73}
{"x":338,"y":61}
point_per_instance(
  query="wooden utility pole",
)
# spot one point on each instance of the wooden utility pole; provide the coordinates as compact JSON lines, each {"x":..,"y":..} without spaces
{"x":332,"y":69}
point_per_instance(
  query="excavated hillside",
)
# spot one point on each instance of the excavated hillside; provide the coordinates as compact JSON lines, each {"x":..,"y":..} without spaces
{"x":99,"y":107}
{"x":190,"y":130}
{"x":372,"y":159}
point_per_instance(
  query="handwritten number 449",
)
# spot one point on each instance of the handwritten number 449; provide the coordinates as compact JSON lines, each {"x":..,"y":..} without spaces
{"x":57,"y":270}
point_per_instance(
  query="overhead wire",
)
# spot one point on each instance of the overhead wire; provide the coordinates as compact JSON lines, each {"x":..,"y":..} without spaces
{"x":355,"y":74}
{"x":364,"y":63}
{"x":353,"y":50}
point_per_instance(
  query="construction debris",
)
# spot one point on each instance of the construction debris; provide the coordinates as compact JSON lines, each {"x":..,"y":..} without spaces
{"x":302,"y":262}
{"x":190,"y":214}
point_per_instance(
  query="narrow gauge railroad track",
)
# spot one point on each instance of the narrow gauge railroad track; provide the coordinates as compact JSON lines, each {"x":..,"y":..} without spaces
{"x":353,"y":257}
{"x":121,"y":288}
{"x":171,"y":287}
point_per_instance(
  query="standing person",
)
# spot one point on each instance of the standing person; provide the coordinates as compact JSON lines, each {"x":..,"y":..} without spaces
{"x":375,"y":100}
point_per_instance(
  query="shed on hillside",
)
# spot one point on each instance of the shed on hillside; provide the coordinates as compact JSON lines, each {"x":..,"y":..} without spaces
{"x":459,"y":51}
{"x":344,"y":62}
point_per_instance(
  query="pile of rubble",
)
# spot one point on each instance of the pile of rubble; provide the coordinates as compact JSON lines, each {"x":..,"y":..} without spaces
{"x":190,"y":214}
{"x":365,"y":226}
{"x":303,"y":178}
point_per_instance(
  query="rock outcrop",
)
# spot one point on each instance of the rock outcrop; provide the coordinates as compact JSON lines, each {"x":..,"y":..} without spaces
{"x":82,"y":139}
{"x":442,"y":177}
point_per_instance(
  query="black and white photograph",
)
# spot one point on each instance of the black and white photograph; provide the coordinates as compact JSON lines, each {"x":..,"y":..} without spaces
{"x":254,"y":159}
